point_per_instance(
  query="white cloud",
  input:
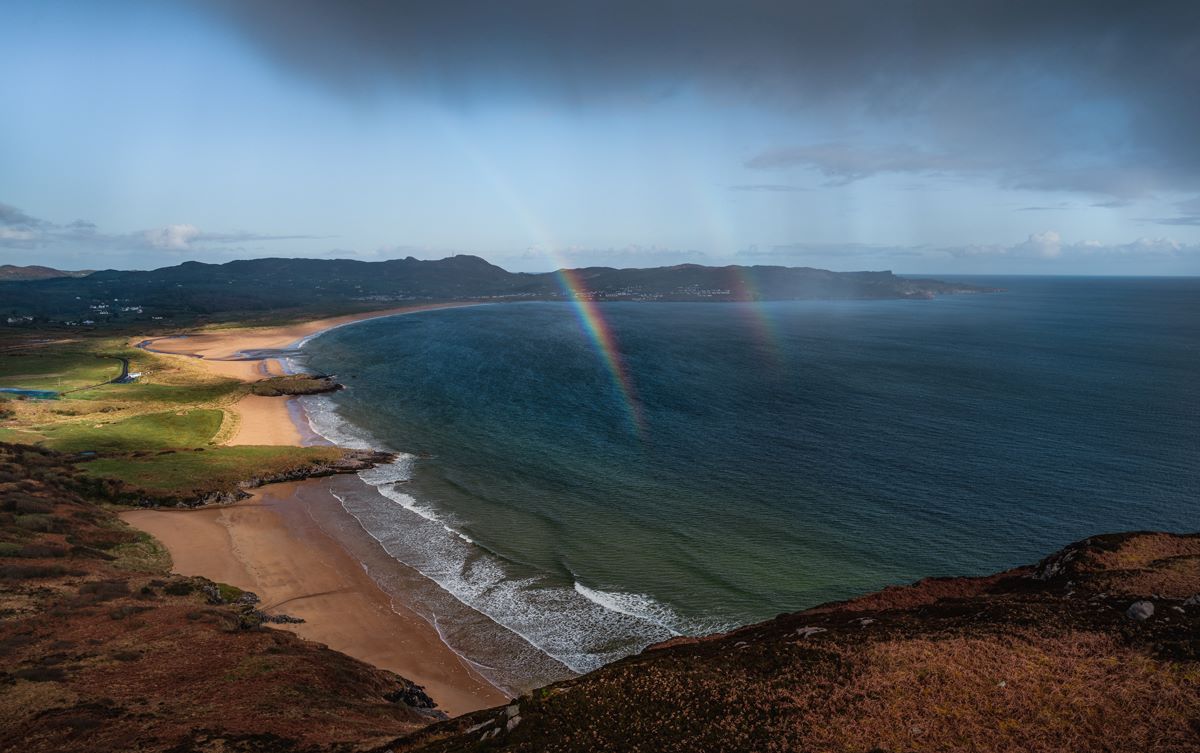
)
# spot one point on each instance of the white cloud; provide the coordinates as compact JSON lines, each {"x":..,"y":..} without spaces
{"x":1047,"y":244}
{"x":16,"y":234}
{"x":172,"y":237}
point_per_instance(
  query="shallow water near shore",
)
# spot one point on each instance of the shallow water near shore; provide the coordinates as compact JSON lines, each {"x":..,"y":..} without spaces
{"x":761,"y":458}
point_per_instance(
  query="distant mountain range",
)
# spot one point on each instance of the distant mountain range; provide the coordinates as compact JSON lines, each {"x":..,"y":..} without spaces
{"x":34,"y":272}
{"x":261,"y":286}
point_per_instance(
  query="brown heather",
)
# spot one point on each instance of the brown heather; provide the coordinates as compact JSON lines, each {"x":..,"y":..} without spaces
{"x":101,"y":649}
{"x":1038,"y":659}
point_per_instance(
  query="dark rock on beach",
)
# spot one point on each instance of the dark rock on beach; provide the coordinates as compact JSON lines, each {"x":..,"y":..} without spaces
{"x":295,"y":384}
{"x":351,"y":461}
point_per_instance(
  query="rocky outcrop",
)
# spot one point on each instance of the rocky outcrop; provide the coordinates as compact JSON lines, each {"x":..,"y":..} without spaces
{"x":295,"y":384}
{"x":350,"y":461}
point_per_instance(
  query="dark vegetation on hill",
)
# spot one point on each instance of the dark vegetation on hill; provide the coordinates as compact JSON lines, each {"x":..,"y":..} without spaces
{"x":289,"y":288}
{"x":1096,"y":648}
{"x":101,"y":649}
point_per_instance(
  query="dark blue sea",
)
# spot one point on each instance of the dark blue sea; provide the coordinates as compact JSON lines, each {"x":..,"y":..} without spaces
{"x":760,"y":458}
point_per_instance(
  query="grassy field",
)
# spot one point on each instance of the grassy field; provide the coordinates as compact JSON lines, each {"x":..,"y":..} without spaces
{"x":205,"y":470}
{"x":161,"y":433}
{"x":172,"y":394}
{"x":173,"y":404}
{"x":182,"y":429}
{"x":56,"y":368}
{"x":12,"y":435}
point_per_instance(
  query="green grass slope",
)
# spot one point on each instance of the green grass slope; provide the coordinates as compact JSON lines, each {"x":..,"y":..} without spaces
{"x":182,"y":429}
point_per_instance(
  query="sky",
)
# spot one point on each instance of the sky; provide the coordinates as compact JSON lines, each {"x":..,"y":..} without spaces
{"x":949,"y":136}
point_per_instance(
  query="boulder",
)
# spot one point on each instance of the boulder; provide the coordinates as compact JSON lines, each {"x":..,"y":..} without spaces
{"x":1140,"y":610}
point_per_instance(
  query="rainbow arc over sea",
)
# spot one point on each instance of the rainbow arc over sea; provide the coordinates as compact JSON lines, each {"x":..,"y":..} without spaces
{"x":592,"y":319}
{"x":574,"y":290}
{"x":745,"y":287}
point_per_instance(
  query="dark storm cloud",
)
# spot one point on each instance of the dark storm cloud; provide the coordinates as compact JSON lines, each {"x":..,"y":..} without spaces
{"x":1075,"y":95}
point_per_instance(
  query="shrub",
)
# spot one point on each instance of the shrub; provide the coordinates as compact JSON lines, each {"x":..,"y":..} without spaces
{"x":127,"y":610}
{"x":104,"y":590}
{"x":41,"y":674}
{"x":229,"y":593}
{"x":179,"y":588}
{"x":29,"y":572}
{"x":102,"y":538}
{"x":40,"y":551}
{"x":33,"y":506}
{"x":38,"y":523}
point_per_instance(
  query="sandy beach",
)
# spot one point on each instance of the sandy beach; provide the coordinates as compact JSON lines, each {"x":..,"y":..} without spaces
{"x":261,"y":420}
{"x":272,"y":545}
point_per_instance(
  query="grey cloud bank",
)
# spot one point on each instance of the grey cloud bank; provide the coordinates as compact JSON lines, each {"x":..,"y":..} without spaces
{"x":1073,"y":95}
{"x":975,"y":134}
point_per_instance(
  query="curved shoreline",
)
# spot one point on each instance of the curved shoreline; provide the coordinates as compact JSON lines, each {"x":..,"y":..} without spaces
{"x":359,"y":617}
{"x":262,"y":420}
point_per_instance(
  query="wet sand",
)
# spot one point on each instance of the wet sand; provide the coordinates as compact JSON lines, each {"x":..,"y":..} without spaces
{"x":272,"y":545}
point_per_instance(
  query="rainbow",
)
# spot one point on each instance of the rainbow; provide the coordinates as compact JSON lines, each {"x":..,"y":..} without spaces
{"x":590,"y":318}
{"x":744,"y":288}
{"x":601,"y":334}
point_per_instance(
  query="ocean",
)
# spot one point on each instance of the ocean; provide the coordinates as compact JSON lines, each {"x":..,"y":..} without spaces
{"x":567,"y":504}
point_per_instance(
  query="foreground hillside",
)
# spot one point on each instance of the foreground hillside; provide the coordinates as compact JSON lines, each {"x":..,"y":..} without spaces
{"x":101,"y":649}
{"x":1096,"y":648}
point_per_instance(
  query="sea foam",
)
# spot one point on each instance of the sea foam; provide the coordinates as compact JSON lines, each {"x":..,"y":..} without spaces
{"x":636,"y":605}
{"x":581,"y":627}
